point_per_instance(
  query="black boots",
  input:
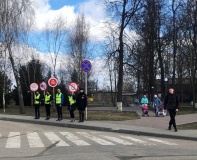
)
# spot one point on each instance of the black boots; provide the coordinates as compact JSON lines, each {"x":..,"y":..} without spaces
{"x":81,"y":117}
{"x":175,"y":129}
{"x":169,"y":128}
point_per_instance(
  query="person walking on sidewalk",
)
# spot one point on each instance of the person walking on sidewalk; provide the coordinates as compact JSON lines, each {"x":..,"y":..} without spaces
{"x":156,"y":102}
{"x":81,"y":102}
{"x":171,"y":103}
{"x":72,"y":105}
{"x":47,"y":101}
{"x":37,"y":101}
{"x":59,"y":100}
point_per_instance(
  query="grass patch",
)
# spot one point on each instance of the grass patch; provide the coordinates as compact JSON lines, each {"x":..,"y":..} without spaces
{"x":92,"y":115}
{"x":112,"y":115}
{"x":188,"y":126}
{"x":186,"y":110}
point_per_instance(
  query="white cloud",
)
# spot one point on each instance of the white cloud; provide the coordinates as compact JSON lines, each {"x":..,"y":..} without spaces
{"x":44,"y":14}
{"x":95,"y":15}
{"x":93,"y":11}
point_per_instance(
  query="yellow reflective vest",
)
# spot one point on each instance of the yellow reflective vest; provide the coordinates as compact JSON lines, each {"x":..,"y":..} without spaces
{"x":71,"y":100}
{"x":47,"y":99}
{"x":58,"y":98}
{"x":37,"y":97}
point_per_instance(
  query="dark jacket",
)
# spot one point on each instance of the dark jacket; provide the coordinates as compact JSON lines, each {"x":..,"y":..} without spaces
{"x":81,"y":101}
{"x":171,"y":101}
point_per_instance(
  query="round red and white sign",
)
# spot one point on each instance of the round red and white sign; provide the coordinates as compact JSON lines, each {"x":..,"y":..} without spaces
{"x":34,"y":87}
{"x":43,"y":86}
{"x":73,"y":87}
{"x":52,"y":82}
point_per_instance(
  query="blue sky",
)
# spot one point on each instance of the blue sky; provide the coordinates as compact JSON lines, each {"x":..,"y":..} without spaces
{"x":57,"y":4}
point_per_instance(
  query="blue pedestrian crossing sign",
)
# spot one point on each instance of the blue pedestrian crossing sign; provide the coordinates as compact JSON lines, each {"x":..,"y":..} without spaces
{"x":86,"y":65}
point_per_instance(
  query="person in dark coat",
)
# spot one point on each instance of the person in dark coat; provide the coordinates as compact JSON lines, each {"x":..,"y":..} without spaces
{"x":81,"y":102}
{"x":171,"y":103}
{"x":72,"y":105}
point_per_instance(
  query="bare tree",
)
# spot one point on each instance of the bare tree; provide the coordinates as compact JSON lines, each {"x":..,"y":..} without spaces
{"x":189,"y":45}
{"x":122,"y":11}
{"x":12,"y":15}
{"x":77,"y":44}
{"x":55,"y":36}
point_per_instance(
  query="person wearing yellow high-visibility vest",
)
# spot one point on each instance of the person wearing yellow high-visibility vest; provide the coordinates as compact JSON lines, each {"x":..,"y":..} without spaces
{"x":37,"y":101}
{"x":47,"y":101}
{"x":72,"y":105}
{"x":59,"y":100}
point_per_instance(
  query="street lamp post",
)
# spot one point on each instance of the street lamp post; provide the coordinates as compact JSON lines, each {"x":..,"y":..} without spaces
{"x":165,"y":79}
{"x":152,"y":95}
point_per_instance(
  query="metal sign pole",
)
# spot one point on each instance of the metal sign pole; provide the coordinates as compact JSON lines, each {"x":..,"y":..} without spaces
{"x":86,"y":93}
{"x":86,"y":67}
{"x":53,"y":104}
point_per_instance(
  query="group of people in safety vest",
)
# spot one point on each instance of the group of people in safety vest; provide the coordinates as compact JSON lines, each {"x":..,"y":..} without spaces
{"x":72,"y":101}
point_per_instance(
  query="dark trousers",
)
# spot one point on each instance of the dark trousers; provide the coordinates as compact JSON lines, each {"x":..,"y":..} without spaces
{"x":37,"y":110}
{"x":59,"y":111}
{"x":72,"y":115}
{"x":48,"y":110}
{"x":172,"y":113}
{"x":81,"y":115}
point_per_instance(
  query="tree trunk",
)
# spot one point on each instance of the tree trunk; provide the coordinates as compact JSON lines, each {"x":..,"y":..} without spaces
{"x":16,"y":75}
{"x":120,"y":60}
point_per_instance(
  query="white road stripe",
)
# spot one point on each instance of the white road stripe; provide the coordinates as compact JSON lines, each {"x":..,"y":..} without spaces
{"x":54,"y":139}
{"x":161,"y":141}
{"x":117,"y":140}
{"x":13,"y":140}
{"x":136,"y":140}
{"x":34,"y":140}
{"x":74,"y":139}
{"x":96,"y":139}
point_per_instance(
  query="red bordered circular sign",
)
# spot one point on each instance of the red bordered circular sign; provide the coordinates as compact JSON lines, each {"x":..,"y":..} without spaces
{"x":86,"y":65}
{"x":73,"y":87}
{"x":43,"y":86}
{"x":34,"y":87}
{"x":53,"y":82}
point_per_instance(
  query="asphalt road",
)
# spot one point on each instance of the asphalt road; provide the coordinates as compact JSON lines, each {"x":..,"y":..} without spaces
{"x":23,"y":141}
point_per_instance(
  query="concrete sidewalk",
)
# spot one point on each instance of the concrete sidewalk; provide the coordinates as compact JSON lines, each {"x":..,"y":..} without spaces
{"x":147,"y":126}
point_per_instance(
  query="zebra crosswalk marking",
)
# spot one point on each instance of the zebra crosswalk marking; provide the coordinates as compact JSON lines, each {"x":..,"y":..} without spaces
{"x":77,"y":138}
{"x":161,"y":141}
{"x":74,"y":139}
{"x":34,"y":140}
{"x":55,"y":139}
{"x":117,"y":140}
{"x":13,"y":140}
{"x":95,"y":139}
{"x":136,"y":140}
